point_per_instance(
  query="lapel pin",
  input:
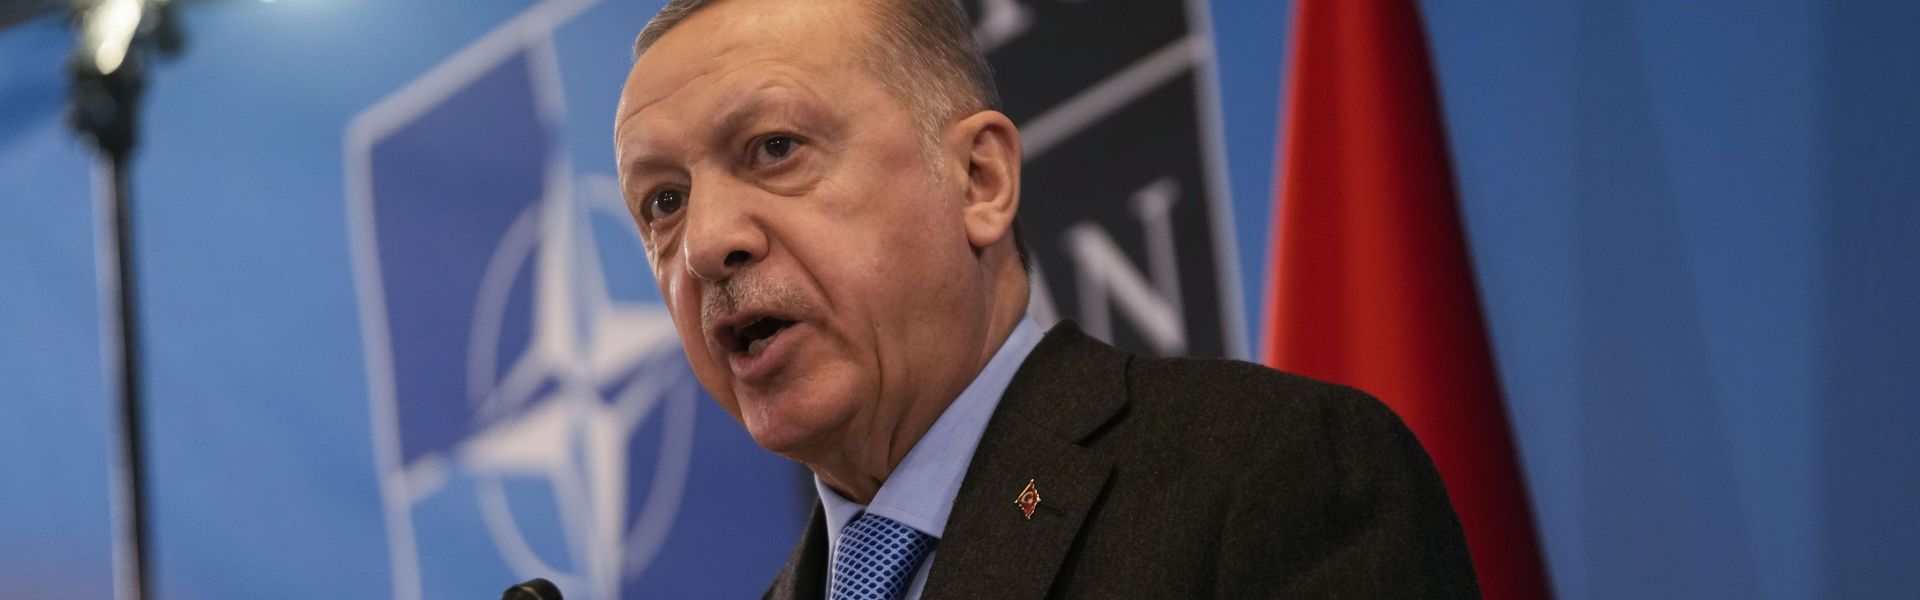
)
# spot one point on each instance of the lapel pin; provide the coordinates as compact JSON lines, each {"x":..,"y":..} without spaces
{"x":1028,"y":499}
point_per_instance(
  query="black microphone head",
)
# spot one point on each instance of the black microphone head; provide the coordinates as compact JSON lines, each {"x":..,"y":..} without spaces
{"x":533,"y":589}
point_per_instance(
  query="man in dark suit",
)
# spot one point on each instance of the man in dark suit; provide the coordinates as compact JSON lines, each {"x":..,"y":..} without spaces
{"x":828,"y":197}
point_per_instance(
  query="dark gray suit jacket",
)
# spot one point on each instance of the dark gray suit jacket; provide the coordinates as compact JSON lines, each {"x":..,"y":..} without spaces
{"x":1184,"y":478}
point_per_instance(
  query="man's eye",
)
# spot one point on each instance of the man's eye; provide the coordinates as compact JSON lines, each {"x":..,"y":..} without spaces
{"x":773,"y":148}
{"x":664,"y":203}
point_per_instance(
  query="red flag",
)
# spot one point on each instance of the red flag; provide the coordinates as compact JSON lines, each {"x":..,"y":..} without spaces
{"x":1372,"y":286}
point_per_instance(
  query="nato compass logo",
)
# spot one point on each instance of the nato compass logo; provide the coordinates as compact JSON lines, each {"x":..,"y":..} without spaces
{"x":531,"y":418}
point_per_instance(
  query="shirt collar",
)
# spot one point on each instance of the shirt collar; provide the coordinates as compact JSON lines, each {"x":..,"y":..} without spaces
{"x":920,"y":492}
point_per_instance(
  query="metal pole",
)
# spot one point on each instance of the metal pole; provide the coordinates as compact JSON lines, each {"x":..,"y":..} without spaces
{"x":121,"y":332}
{"x":105,"y":109}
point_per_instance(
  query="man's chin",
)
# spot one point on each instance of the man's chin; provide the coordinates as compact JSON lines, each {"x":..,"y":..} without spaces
{"x":796,"y":444}
{"x":797,"y":416}
{"x":791,"y":430}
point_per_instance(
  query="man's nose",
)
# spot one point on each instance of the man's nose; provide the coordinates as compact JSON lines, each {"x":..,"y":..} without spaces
{"x":723,"y":234}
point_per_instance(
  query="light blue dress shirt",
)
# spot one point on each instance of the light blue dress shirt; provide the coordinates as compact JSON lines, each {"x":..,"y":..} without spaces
{"x":920,"y":492}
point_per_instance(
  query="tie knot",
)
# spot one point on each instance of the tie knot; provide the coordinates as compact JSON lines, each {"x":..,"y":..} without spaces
{"x":876,"y":558}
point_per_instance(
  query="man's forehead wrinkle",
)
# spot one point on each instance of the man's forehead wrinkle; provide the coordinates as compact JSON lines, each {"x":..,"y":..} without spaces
{"x":668,"y":75}
{"x":635,"y":132}
{"x":700,"y":67}
{"x":669,"y":67}
{"x":655,"y":92}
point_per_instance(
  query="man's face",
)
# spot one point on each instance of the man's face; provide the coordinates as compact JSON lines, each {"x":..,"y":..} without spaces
{"x":817,"y":270}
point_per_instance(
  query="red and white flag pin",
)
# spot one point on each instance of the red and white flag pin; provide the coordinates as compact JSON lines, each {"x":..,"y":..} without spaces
{"x":1028,"y":499}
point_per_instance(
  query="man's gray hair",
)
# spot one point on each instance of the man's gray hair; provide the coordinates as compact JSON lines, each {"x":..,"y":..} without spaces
{"x":923,"y":51}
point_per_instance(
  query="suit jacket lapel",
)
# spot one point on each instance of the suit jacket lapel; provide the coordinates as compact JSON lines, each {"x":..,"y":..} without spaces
{"x":804,"y":577}
{"x":1068,"y":387}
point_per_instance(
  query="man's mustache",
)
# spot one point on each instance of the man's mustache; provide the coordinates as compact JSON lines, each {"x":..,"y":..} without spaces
{"x":751,"y":292}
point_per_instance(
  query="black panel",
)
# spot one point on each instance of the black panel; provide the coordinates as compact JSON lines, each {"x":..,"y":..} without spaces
{"x":1092,"y":175}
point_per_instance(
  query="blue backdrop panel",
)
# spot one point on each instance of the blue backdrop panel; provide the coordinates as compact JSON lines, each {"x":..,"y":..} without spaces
{"x":446,"y":189}
{"x":54,"y":453}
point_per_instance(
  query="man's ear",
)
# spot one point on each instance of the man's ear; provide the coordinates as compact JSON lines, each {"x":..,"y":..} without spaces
{"x":992,"y":158}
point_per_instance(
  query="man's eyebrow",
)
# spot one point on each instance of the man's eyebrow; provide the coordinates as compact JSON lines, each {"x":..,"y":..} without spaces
{"x":738,"y":118}
{"x":647,"y":163}
{"x":758,"y":102}
{"x":742,"y":115}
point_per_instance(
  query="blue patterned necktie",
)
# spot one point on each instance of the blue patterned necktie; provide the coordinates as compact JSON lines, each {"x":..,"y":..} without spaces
{"x":876,"y":558}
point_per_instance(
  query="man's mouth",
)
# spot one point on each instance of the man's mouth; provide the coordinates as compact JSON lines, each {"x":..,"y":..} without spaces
{"x":754,"y":336}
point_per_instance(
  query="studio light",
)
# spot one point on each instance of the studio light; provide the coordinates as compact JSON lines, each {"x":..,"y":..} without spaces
{"x":106,"y":31}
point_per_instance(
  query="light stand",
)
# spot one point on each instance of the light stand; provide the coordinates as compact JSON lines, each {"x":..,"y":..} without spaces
{"x":108,"y":79}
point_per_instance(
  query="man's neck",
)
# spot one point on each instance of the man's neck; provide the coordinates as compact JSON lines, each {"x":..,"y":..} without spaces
{"x":857,"y":471}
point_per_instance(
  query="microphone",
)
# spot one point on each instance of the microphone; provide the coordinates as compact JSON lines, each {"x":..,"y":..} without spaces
{"x":532,"y":589}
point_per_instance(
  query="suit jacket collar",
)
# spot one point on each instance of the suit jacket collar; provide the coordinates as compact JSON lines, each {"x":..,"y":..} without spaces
{"x":1069,"y":385}
{"x":1066,"y":391}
